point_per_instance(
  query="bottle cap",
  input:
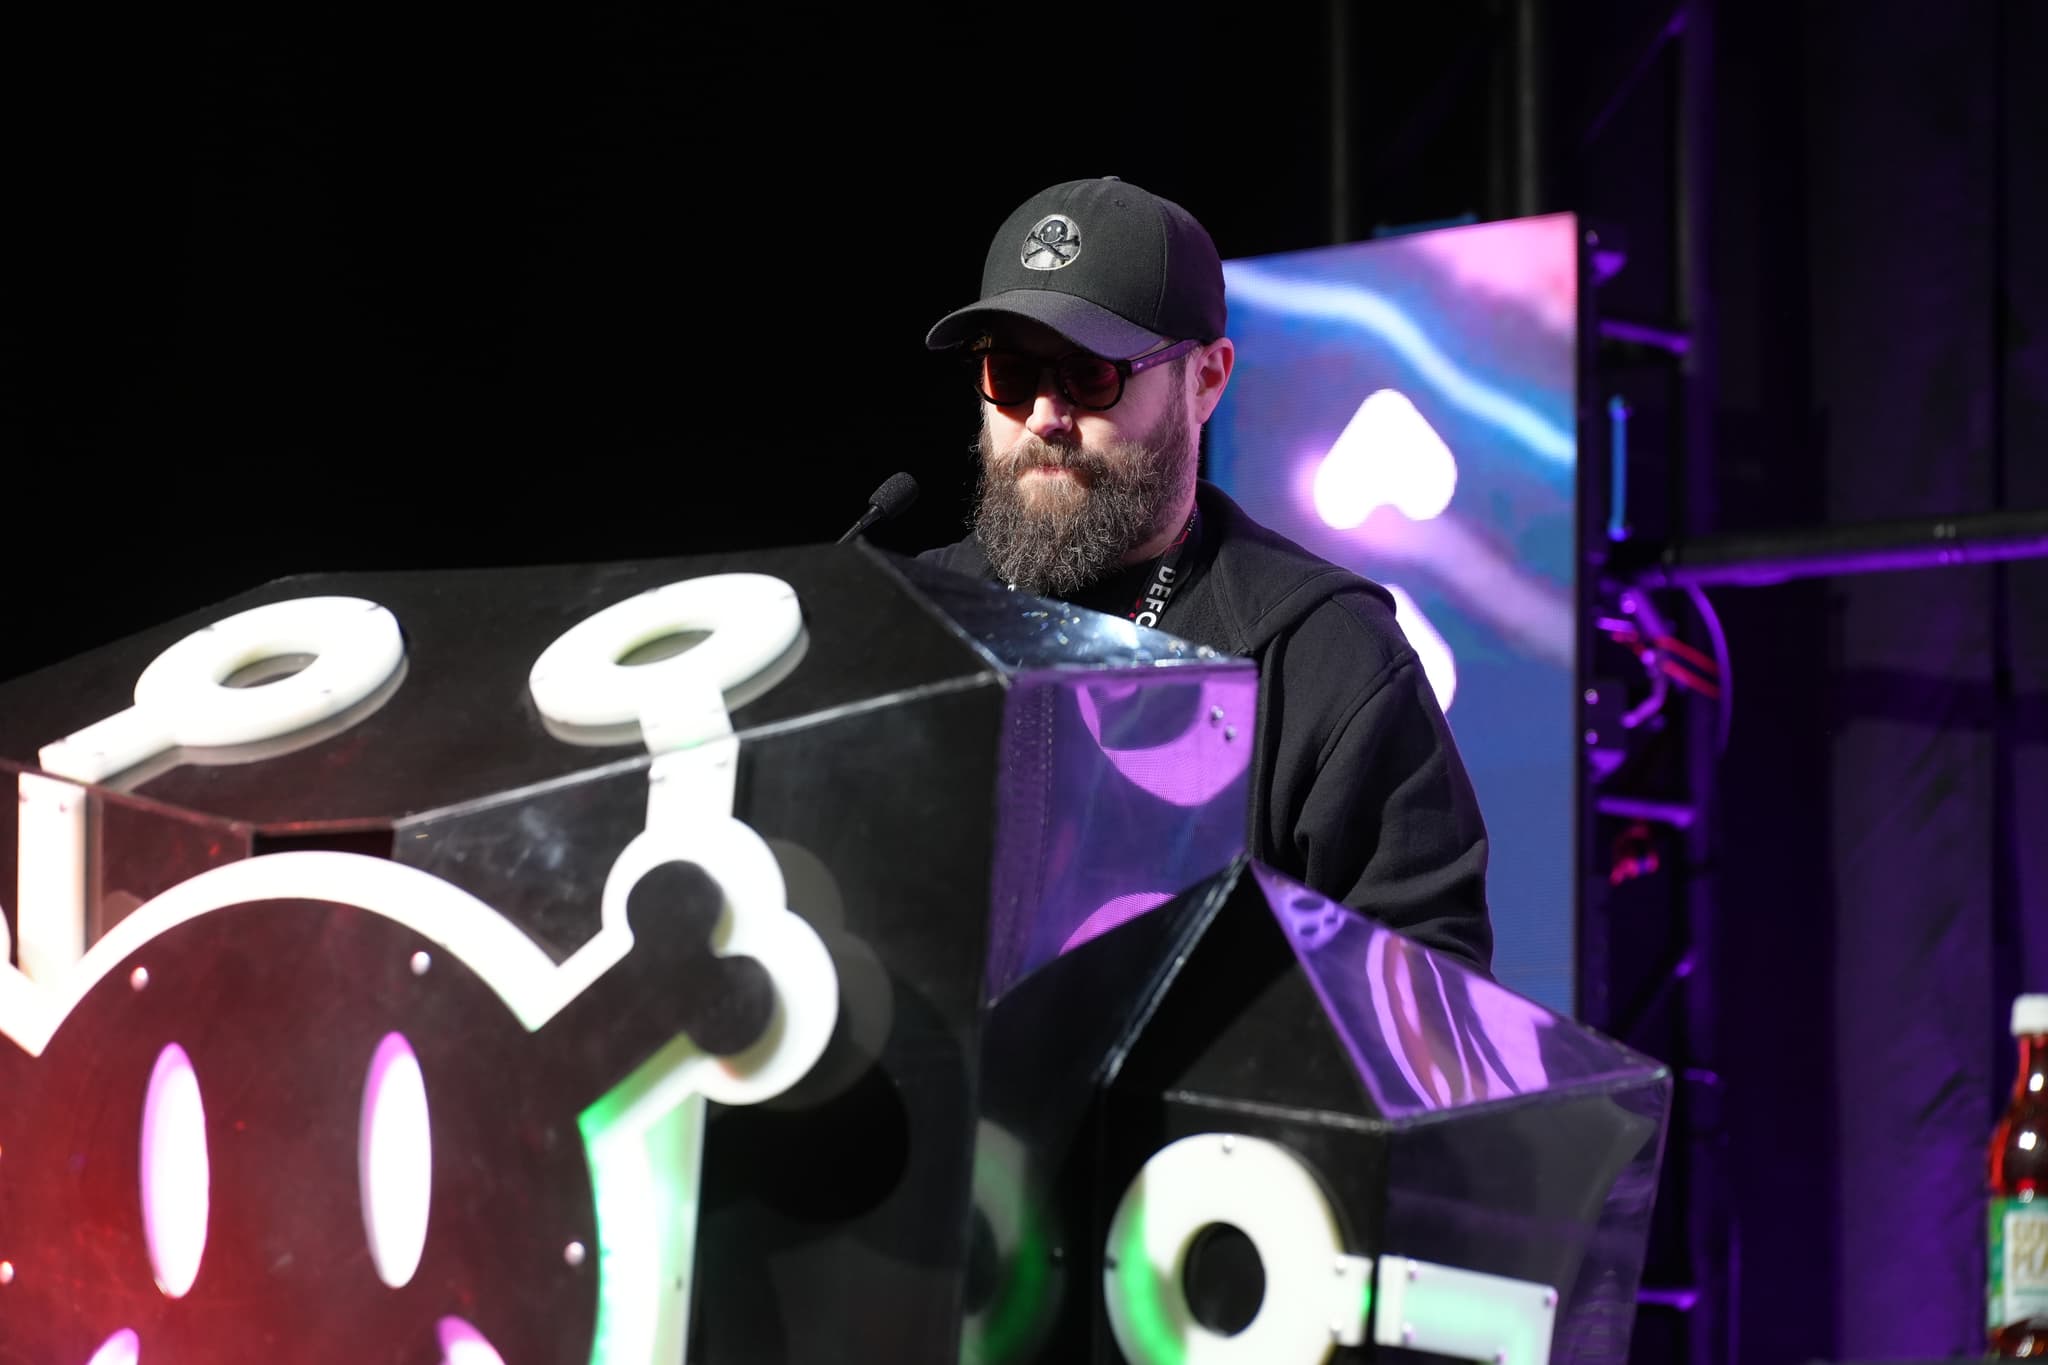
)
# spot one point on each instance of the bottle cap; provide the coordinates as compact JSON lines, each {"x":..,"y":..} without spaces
{"x":2029,"y":1015}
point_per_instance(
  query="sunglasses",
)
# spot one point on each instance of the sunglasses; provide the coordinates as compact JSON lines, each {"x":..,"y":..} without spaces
{"x":1010,"y":378}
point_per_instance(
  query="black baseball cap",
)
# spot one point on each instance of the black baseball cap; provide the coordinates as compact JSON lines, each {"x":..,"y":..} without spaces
{"x":1110,"y":267}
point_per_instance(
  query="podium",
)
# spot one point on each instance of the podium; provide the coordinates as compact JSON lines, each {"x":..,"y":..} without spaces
{"x":799,"y":956}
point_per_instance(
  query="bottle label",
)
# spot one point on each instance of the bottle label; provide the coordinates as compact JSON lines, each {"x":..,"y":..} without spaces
{"x":2019,"y":1260}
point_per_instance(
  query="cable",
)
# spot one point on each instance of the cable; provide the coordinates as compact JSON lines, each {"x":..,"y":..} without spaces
{"x":1685,"y":677}
{"x":1693,"y":658}
{"x":1712,"y":621}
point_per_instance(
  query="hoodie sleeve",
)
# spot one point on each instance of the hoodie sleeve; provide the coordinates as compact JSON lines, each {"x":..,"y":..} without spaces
{"x":1383,"y":815}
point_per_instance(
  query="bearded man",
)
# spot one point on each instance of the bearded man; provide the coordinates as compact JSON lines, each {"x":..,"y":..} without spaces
{"x":1098,"y":349}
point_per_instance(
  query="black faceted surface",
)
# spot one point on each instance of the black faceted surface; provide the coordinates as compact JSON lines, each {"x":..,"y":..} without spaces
{"x":1522,"y":1144}
{"x":459,"y":724}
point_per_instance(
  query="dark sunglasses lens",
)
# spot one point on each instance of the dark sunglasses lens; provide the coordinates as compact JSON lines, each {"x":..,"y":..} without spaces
{"x":1091,"y":381}
{"x":1008,"y":378}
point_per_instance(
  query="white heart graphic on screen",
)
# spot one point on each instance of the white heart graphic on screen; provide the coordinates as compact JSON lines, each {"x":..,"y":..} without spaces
{"x":1434,"y":651}
{"x":1388,"y":455}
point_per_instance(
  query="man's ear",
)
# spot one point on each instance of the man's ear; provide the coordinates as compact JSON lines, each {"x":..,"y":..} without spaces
{"x":1212,"y":375}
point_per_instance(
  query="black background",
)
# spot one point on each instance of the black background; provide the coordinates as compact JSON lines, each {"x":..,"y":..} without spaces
{"x":315,"y":290}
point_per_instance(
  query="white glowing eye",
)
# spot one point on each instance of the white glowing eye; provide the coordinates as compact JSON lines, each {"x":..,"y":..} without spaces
{"x":122,"y":1348}
{"x":462,"y":1344}
{"x":175,"y":1175}
{"x":395,"y":1160}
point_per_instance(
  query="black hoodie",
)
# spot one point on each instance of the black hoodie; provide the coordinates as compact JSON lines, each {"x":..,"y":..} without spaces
{"x":1358,"y":790}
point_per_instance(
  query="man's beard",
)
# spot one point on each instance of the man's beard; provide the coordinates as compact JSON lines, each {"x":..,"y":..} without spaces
{"x":1069,"y":532}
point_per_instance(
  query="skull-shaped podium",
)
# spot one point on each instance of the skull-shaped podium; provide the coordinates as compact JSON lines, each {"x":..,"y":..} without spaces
{"x":798,"y":956}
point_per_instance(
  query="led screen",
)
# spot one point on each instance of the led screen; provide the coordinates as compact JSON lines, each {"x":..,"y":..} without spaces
{"x":1406,"y":408}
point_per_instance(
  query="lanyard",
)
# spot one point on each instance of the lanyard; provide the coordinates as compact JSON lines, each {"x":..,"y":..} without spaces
{"x":1164,"y":577}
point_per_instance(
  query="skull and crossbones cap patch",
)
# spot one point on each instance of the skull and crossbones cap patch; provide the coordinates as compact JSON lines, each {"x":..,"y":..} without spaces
{"x":1113,"y":268}
{"x":1054,"y":242}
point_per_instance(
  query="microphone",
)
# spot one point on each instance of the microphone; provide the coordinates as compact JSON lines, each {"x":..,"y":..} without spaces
{"x":892,"y":499}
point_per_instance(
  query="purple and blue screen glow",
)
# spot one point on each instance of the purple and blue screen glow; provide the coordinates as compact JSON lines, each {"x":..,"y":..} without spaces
{"x":1406,"y":408}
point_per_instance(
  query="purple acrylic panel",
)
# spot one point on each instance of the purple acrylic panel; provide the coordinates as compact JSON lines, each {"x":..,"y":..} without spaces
{"x":1118,"y":791}
{"x":1429,"y":1034}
